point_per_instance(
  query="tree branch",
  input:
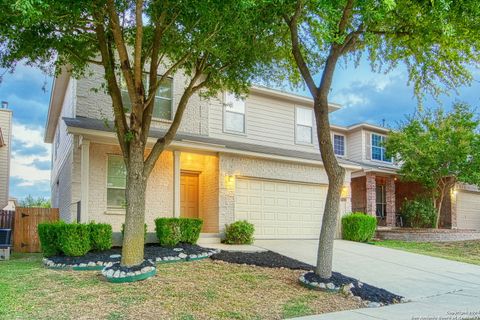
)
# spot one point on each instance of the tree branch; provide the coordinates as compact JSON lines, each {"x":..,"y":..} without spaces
{"x":121,"y":49}
{"x":297,"y":50}
{"x":165,"y":141}
{"x":115,"y":94}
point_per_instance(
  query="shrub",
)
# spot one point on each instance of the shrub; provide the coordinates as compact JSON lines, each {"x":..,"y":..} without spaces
{"x":190,"y":230}
{"x":100,"y":236}
{"x":239,"y":232}
{"x":48,"y":234}
{"x":419,"y":213}
{"x":74,"y":239}
{"x":171,"y":231}
{"x":358,"y":227}
{"x":144,"y":231}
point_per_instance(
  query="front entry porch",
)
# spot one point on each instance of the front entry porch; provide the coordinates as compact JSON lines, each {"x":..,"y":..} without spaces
{"x":374,"y":194}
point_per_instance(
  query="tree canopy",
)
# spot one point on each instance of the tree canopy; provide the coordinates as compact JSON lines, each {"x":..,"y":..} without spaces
{"x":217,"y":45}
{"x":438,"y":148}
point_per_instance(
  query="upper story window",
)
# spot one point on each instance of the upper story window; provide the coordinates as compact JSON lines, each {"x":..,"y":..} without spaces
{"x":303,"y":125}
{"x":162,"y":108}
{"x":116,"y":182}
{"x":378,"y":149}
{"x":339,"y":144}
{"x":234,"y":114}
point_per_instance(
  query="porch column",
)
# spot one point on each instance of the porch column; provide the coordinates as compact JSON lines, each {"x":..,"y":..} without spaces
{"x":371,"y":203}
{"x":84,"y":178}
{"x":390,"y":199}
{"x":176,"y":183}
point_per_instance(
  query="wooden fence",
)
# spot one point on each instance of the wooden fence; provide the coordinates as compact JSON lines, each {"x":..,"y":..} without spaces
{"x":7,"y":219}
{"x":25,"y":234}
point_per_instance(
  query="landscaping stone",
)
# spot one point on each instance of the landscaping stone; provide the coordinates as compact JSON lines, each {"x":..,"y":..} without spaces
{"x":153,"y":253}
{"x":129,"y":274}
{"x":271,"y":259}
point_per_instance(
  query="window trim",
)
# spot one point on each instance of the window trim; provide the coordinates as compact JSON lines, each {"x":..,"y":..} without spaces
{"x":172,"y":113}
{"x":112,"y":208}
{"x":224,"y":108}
{"x":296,"y":127}
{"x":382,"y":138}
{"x":344,"y":144}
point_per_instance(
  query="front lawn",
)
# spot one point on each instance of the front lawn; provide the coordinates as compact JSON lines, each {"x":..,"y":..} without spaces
{"x":463,"y":251}
{"x":188,"y":290}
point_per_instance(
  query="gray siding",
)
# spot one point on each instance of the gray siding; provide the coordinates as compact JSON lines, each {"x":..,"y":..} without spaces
{"x":269,"y":122}
{"x":6,"y":126}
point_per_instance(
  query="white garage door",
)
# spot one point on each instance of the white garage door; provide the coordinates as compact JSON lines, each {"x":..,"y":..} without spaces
{"x":468,"y":210}
{"x":280,"y":210}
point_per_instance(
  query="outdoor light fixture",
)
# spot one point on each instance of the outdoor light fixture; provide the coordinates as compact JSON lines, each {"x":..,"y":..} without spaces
{"x":344,"y":193}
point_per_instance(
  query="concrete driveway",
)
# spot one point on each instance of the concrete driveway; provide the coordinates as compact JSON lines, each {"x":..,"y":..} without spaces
{"x":436,"y":287}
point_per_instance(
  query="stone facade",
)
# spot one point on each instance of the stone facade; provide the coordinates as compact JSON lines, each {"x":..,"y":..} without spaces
{"x":390,"y":198}
{"x":371,"y":184}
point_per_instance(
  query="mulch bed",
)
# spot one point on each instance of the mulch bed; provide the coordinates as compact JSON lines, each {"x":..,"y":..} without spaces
{"x":152,"y":251}
{"x":271,"y":259}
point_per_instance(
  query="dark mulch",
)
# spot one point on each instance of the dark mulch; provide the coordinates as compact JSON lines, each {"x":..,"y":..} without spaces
{"x":145,"y":263}
{"x":274,"y":260}
{"x":267,"y":259}
{"x":152,"y":251}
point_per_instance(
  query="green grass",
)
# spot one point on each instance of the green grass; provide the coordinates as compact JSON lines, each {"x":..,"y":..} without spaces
{"x":463,"y":251}
{"x":297,"y":307}
{"x":187,"y":291}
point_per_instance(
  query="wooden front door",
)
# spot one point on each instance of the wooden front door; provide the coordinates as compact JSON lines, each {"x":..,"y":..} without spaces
{"x":189,"y":195}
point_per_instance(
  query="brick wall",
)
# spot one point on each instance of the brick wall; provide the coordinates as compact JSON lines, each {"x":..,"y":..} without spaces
{"x":359,"y":194}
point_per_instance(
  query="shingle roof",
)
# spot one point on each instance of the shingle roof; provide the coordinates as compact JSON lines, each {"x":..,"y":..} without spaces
{"x":100,"y":125}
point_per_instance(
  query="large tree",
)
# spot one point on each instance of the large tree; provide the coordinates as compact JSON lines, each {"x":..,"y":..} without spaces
{"x":218,"y":45}
{"x":438,"y":149}
{"x":435,"y":40}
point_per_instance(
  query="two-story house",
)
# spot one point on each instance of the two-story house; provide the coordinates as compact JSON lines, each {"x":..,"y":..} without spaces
{"x":255,"y":159}
{"x":5,"y":151}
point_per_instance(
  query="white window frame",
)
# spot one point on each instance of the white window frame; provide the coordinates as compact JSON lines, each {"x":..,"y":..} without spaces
{"x":225,"y":111}
{"x":122,"y":89}
{"x":383,"y":150}
{"x":116,"y":208}
{"x":296,"y":127}
{"x":344,"y":144}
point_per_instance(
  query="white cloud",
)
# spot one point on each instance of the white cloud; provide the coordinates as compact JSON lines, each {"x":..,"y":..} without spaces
{"x":21,"y":166}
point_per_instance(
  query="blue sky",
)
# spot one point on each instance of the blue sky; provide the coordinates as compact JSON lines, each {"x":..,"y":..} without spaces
{"x":365,"y":97}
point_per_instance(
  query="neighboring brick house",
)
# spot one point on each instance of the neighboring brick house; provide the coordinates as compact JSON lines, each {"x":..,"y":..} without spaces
{"x":254,"y":159}
{"x":5,"y":151}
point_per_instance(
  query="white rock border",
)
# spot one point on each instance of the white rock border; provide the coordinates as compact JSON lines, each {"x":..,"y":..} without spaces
{"x":99,"y":265}
{"x":346,"y":290}
{"x":109,"y":273}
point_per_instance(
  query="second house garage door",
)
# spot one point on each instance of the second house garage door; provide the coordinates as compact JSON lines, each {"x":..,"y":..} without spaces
{"x":280,"y":210}
{"x":468,"y":210}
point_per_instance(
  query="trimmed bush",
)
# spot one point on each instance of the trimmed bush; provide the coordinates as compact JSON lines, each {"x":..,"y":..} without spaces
{"x":74,"y":239}
{"x":122,"y":230}
{"x":190,"y":230}
{"x":239,"y":232}
{"x":358,"y":227}
{"x":100,"y":236}
{"x":48,"y":234}
{"x":419,"y":213}
{"x":171,"y":231}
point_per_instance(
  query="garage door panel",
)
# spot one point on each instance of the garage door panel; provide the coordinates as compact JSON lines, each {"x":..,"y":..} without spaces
{"x":468,"y":210}
{"x":280,"y":209}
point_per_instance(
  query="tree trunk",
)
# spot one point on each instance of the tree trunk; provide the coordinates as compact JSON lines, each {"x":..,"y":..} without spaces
{"x":336,"y":175}
{"x":134,"y":239}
